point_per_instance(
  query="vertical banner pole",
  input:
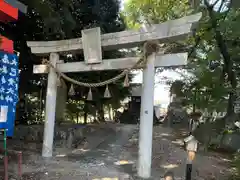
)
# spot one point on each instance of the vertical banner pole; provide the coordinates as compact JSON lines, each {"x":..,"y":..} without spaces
{"x":19,"y":165}
{"x":5,"y":156}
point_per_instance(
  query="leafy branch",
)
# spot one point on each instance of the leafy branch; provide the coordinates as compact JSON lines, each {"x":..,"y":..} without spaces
{"x":228,"y":62}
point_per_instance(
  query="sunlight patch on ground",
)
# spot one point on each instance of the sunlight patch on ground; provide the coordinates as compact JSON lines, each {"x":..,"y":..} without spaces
{"x":225,"y":160}
{"x":123,"y":162}
{"x":158,"y":135}
{"x":113,"y":145}
{"x":178,"y":142}
{"x":164,"y":139}
{"x":133,"y":140}
{"x":165,"y":134}
{"x":106,"y":178}
{"x":80,"y":150}
{"x":169,"y":166}
{"x":61,"y":155}
{"x":103,"y":150}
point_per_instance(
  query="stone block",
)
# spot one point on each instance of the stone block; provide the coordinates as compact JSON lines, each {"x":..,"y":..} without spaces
{"x":91,"y":39}
{"x":231,"y":141}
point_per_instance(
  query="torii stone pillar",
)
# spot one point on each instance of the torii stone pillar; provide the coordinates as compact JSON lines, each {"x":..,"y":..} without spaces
{"x":50,"y":110}
{"x":146,"y":119}
{"x":61,"y":100}
{"x":92,"y":42}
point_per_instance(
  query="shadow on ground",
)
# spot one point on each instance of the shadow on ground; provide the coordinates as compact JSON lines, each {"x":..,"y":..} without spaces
{"x":114,"y":155}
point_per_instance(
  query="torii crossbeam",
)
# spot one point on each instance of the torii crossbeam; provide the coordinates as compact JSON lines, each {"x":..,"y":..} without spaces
{"x":91,"y":43}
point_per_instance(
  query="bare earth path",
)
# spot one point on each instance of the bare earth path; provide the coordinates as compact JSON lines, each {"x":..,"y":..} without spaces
{"x":89,"y":164}
{"x":168,"y":155}
{"x":99,"y":163}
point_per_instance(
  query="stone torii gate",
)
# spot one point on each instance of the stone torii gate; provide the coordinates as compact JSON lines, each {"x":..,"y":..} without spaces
{"x":92,"y":43}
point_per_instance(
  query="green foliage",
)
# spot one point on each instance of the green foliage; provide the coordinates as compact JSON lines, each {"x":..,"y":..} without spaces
{"x":137,"y":12}
{"x":236,"y":166}
{"x":208,"y":84}
{"x":213,"y":67}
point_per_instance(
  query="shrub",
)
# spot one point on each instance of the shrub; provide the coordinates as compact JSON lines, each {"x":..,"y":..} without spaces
{"x":236,"y":166}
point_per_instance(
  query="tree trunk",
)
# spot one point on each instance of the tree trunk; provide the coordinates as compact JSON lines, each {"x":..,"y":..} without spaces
{"x":40,"y":104}
{"x":101,"y":112}
{"x":110,"y":112}
{"x":85,"y":117}
{"x":195,"y":99}
{"x":72,"y":117}
{"x":77,"y":118}
{"x":85,"y":113}
{"x":228,"y":62}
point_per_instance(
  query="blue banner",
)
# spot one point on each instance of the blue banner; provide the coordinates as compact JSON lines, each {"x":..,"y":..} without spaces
{"x":9,"y":79}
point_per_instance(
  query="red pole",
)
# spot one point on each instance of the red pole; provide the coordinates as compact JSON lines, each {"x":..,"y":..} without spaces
{"x":20,"y":165}
{"x":5,"y":168}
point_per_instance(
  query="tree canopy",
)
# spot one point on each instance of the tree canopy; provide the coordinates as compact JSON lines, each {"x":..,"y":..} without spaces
{"x":153,"y":11}
{"x":213,"y":72}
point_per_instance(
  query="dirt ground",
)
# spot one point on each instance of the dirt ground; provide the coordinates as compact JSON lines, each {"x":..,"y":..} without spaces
{"x":101,"y":162}
{"x":169,"y":155}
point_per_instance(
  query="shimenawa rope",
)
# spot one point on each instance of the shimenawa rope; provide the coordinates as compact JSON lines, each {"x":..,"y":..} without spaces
{"x":148,"y":49}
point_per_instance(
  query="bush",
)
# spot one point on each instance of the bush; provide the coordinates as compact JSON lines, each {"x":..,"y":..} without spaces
{"x":236,"y":166}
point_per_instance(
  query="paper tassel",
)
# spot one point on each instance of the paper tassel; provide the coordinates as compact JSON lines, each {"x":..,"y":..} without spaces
{"x":89,"y":97}
{"x":107,"y":93}
{"x":59,"y":81}
{"x":126,"y":81}
{"x":71,"y":91}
